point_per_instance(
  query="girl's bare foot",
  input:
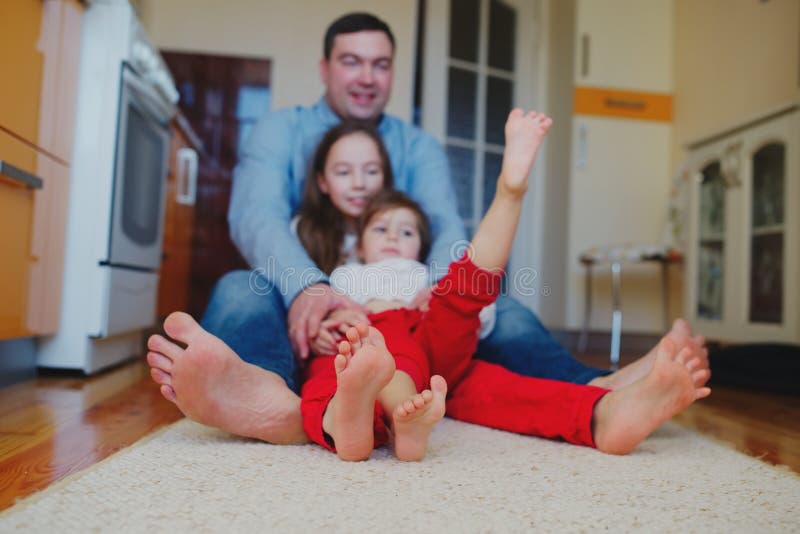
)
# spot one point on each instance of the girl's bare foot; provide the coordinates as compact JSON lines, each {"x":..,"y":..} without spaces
{"x":213,"y":386}
{"x":681,"y":336}
{"x":363,"y":367}
{"x":413,"y":420}
{"x":625,"y":417}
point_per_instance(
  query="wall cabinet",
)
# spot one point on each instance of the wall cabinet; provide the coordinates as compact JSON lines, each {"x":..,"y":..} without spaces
{"x":16,"y":217}
{"x":39,"y":48}
{"x":21,"y":25}
{"x":744,"y":252}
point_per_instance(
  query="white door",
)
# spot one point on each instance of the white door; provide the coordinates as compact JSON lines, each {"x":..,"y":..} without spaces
{"x":480,"y":58}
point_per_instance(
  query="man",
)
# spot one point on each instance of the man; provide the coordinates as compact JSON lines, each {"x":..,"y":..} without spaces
{"x":210,"y":380}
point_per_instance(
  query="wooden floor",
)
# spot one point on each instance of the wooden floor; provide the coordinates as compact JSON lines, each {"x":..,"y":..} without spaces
{"x":55,"y":426}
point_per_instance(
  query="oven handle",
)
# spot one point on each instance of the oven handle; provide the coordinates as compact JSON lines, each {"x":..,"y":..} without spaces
{"x":186,"y":190}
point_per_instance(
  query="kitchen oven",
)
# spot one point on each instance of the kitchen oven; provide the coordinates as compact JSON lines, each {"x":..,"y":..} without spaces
{"x":140,"y":169}
{"x":126,"y":100}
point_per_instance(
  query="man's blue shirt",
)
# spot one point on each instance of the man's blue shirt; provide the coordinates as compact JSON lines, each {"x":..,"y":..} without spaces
{"x":268,"y":189}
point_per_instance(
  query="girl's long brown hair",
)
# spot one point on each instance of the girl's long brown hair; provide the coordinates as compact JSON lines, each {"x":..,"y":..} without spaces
{"x":321,"y":225}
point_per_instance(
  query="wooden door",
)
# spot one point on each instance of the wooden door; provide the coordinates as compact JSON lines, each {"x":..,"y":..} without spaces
{"x":222,"y":97}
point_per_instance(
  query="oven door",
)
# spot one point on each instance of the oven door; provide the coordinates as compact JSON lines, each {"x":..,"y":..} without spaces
{"x":140,"y":175}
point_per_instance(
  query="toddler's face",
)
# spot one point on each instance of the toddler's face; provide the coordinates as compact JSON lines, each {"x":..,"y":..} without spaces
{"x":353,"y":174}
{"x":393,"y":233}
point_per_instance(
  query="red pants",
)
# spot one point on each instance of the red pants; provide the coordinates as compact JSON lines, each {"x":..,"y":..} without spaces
{"x":479,"y":392}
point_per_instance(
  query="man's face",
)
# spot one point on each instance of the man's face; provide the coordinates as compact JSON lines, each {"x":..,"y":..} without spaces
{"x":358,"y":75}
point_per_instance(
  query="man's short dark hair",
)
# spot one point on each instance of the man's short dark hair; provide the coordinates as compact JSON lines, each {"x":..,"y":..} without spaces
{"x":352,"y":23}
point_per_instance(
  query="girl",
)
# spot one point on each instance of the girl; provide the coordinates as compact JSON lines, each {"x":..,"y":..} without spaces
{"x":349,"y":167}
{"x":347,"y":397}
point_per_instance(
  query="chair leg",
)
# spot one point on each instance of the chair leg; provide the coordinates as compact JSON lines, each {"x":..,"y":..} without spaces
{"x":665,"y":294}
{"x":583,"y":340}
{"x":616,"y":318}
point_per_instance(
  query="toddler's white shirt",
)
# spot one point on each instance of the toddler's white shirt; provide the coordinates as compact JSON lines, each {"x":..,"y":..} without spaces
{"x":392,"y":279}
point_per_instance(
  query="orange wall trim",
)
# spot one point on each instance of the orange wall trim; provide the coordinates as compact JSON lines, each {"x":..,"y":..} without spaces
{"x":623,"y":104}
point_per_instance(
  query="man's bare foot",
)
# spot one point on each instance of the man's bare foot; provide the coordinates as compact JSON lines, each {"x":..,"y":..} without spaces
{"x":681,"y":336}
{"x":413,"y":421}
{"x":625,"y":417}
{"x":363,"y":367}
{"x":213,"y":386}
{"x":524,"y":134}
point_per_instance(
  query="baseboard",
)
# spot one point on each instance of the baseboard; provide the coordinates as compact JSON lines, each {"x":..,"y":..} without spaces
{"x":772,"y":367}
{"x":17,"y":360}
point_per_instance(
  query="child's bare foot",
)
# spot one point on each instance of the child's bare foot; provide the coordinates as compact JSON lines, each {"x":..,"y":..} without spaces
{"x":524,"y":135}
{"x":681,"y":336}
{"x":413,"y":420}
{"x":363,"y":367}
{"x":624,"y":417}
{"x":213,"y":386}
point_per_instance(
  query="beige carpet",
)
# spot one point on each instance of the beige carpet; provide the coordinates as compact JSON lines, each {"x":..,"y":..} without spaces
{"x":192,"y":478}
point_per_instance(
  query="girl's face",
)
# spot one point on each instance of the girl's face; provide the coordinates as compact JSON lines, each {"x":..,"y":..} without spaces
{"x":393,"y":233}
{"x":353,"y":174}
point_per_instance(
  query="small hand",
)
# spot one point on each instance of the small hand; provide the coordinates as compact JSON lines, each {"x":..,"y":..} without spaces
{"x":333,"y":328}
{"x":422,"y":299}
{"x":306,"y":313}
{"x":342,"y":319}
{"x":325,"y":342}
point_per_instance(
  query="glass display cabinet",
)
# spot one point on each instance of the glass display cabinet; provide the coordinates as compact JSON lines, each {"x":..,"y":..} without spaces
{"x":742,"y":279}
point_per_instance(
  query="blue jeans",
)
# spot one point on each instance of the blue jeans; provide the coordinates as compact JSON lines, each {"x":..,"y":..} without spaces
{"x":521,"y":343}
{"x":246,"y":311}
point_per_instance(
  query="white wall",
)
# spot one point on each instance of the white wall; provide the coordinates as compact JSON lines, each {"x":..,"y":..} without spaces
{"x":287,"y":32}
{"x":618,"y":193}
{"x":734,"y":59}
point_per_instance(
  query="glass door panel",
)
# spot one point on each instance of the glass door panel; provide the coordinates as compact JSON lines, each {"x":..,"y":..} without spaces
{"x":480,"y":91}
{"x":464,"y":29}
{"x":767,"y":235}
{"x":462,"y":167}
{"x":461,"y":94}
{"x":711,"y":256}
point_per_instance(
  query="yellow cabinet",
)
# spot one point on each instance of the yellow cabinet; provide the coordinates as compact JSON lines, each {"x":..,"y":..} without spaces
{"x":22,"y":61}
{"x":39,"y":52}
{"x":16,"y":222}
